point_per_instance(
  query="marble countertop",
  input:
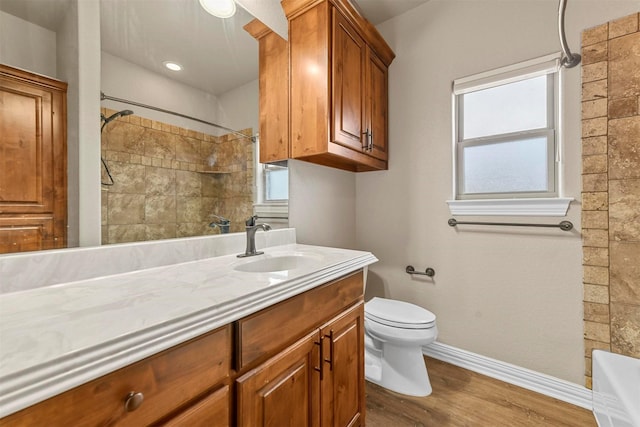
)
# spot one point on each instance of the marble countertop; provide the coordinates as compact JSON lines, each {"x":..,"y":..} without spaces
{"x":57,"y":337}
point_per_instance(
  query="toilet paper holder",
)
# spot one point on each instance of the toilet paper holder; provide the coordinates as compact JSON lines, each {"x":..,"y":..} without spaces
{"x":428,"y":272}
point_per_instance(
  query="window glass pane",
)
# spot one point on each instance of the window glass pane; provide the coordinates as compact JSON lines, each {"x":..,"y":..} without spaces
{"x":506,"y":167}
{"x":508,"y":108}
{"x":277,"y":184}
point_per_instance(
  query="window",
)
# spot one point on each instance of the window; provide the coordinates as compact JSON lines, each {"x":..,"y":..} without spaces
{"x":505,"y":134}
{"x":272,"y":191}
{"x":276,"y":183}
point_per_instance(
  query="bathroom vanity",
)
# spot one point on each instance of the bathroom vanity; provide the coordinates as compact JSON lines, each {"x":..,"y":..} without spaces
{"x":259,"y":341}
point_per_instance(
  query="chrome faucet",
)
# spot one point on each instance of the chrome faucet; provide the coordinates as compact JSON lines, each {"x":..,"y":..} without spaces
{"x":251,"y":228}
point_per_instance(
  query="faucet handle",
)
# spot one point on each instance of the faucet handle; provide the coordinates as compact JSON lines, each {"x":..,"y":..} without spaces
{"x":251,"y":221}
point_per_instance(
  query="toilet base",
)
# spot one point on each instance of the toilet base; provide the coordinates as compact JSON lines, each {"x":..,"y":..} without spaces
{"x":402,"y":369}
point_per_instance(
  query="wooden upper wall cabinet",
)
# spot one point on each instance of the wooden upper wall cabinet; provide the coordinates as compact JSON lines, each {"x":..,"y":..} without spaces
{"x":33,"y":161}
{"x":338,"y":99}
{"x":273,"y":52}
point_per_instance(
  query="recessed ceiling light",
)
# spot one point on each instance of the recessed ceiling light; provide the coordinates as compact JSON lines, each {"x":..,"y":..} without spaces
{"x":219,"y":8}
{"x":172,"y":66}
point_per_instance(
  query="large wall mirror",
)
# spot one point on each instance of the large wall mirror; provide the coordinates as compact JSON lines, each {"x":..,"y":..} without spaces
{"x":164,"y":175}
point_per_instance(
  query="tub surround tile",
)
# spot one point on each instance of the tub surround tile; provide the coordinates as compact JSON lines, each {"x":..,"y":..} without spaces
{"x":623,"y":107}
{"x":595,"y":34}
{"x":623,"y":26}
{"x":188,"y":150}
{"x":598,"y":313}
{"x":595,"y":53}
{"x":597,"y":331}
{"x":188,"y":184}
{"x":594,"y":91}
{"x":595,"y":238}
{"x":625,"y":272}
{"x":594,"y":164}
{"x":188,"y":209}
{"x":625,"y":329}
{"x":130,"y":178}
{"x":160,"y":231}
{"x":595,"y":108}
{"x":624,"y":210}
{"x":127,"y":233}
{"x":593,"y":72}
{"x":596,"y":293}
{"x":619,"y":63}
{"x":159,"y":181}
{"x":595,"y":182}
{"x":123,"y":137}
{"x":624,"y":148}
{"x":595,"y":201}
{"x":596,"y":275}
{"x":158,"y":144}
{"x":126,"y":208}
{"x":595,"y":219}
{"x":160,"y":210}
{"x":624,"y":66}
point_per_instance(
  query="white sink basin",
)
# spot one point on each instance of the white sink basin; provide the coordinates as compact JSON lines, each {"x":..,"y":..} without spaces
{"x":276,"y":263}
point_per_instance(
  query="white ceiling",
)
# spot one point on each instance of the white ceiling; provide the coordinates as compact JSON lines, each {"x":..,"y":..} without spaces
{"x":217,"y":54}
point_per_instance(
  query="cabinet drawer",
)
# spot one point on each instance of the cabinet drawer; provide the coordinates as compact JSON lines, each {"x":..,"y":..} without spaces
{"x":212,"y":411}
{"x":271,"y":329}
{"x":167,"y":380}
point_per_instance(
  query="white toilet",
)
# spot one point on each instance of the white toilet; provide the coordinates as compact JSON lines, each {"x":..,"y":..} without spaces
{"x":395,"y":332}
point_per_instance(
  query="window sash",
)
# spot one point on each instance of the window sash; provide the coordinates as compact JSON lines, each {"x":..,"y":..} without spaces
{"x":552,"y":168}
{"x":548,"y":65}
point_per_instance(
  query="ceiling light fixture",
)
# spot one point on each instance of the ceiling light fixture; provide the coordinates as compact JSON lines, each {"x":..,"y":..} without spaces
{"x":219,"y":8}
{"x":173,"y":66}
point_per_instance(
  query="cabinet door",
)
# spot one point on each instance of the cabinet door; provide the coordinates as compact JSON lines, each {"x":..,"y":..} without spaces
{"x":343,"y":397}
{"x":283,"y":391}
{"x":348,"y":85}
{"x":32,"y":161}
{"x":377,"y":105}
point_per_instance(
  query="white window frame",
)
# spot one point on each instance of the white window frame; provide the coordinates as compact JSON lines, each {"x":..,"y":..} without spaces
{"x":276,"y":210}
{"x":548,"y":203}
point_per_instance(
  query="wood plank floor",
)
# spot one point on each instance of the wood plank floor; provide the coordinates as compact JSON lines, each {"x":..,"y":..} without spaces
{"x":464,"y":398}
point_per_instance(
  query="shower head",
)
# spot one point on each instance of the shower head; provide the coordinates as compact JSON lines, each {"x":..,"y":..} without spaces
{"x":115,"y":116}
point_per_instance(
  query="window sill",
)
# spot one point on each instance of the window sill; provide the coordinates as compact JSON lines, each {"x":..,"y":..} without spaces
{"x":274,"y":211}
{"x":511,"y":207}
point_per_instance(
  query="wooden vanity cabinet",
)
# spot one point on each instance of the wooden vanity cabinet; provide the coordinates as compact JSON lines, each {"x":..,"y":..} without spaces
{"x":186,"y":382}
{"x":314,"y":349}
{"x":299,"y":362}
{"x":338,"y":86}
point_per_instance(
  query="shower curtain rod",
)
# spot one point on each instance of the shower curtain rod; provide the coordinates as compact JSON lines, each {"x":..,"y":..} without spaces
{"x":184,"y":116}
{"x":569,"y":60}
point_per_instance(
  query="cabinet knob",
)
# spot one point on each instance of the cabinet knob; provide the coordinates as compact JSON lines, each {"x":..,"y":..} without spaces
{"x":133,"y":401}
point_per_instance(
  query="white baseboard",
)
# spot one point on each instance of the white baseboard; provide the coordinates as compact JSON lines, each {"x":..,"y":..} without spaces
{"x":521,"y":377}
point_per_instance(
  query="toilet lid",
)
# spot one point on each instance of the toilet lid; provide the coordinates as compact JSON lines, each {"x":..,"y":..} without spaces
{"x":398,"y":313}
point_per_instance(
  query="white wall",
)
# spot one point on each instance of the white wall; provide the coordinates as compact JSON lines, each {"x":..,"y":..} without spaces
{"x":510,"y":294}
{"x":322,"y":205}
{"x":239,"y":107}
{"x":27,"y":46}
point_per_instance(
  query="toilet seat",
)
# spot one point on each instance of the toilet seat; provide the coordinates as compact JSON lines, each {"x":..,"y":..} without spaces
{"x":398,"y":314}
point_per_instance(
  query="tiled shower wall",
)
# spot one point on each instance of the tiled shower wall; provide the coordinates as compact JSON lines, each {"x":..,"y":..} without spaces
{"x":169,"y":181}
{"x":611,"y":187}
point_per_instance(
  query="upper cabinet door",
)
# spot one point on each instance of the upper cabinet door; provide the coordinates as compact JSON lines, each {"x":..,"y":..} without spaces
{"x":348,"y":85}
{"x":377,"y":106}
{"x":33,"y":161}
{"x":26,"y":149}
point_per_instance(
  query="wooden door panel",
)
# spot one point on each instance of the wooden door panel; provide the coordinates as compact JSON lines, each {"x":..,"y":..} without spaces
{"x":343,"y":403}
{"x":212,"y":411}
{"x":33,"y":158}
{"x":27,"y":233}
{"x":283,"y":391}
{"x":26,"y":183}
{"x":377,"y":105}
{"x":348,"y":84}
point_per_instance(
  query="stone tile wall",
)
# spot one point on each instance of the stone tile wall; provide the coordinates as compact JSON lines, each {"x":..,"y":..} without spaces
{"x":170,"y":180}
{"x":611,"y":187}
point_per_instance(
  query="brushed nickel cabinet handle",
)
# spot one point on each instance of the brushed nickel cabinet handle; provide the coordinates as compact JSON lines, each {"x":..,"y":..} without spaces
{"x":133,"y":401}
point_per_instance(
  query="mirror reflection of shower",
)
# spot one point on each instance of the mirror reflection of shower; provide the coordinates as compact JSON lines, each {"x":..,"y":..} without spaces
{"x":105,"y":121}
